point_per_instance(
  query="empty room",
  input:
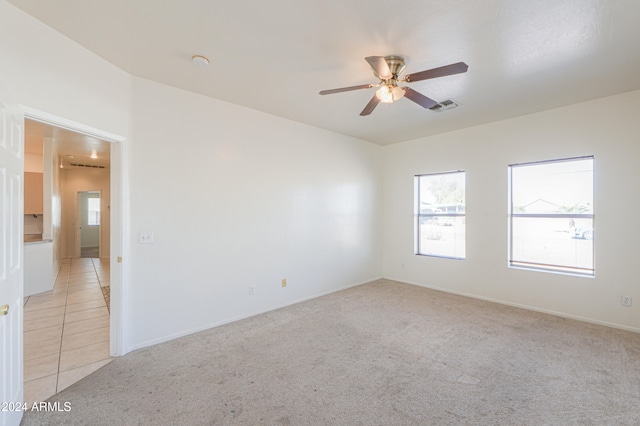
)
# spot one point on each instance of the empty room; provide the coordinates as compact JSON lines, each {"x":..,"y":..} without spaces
{"x":333,"y":212}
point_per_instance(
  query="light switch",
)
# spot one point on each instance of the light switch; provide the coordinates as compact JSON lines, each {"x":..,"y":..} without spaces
{"x":145,"y":237}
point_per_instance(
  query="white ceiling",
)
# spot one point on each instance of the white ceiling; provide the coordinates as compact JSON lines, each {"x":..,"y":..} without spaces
{"x":72,"y":147}
{"x":275,"y":56}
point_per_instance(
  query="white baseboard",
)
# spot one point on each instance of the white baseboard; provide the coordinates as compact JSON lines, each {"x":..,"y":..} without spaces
{"x":521,"y":306}
{"x":173,"y":336}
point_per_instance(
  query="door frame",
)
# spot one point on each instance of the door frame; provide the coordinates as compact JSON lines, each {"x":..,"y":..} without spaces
{"x":117,"y":213}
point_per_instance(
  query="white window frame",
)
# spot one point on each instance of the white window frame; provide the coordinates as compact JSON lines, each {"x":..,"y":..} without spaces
{"x":420,"y":215}
{"x":556,"y":268}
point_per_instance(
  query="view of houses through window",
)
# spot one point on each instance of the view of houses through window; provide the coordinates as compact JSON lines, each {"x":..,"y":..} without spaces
{"x":551,"y":215}
{"x":440,"y":214}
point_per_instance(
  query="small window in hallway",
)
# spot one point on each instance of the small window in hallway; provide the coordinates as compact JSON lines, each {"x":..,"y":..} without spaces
{"x":93,"y":207}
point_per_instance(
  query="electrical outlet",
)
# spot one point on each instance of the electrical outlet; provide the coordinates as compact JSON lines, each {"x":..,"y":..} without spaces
{"x":625,"y":300}
{"x":252,"y":290}
{"x":284,"y":282}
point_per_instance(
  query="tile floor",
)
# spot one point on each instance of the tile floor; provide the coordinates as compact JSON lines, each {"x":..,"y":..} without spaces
{"x":66,"y":330}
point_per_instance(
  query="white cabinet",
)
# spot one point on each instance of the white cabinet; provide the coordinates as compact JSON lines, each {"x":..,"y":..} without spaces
{"x":38,"y":267}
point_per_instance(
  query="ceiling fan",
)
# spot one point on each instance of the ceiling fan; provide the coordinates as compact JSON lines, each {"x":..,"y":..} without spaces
{"x":388,"y":70}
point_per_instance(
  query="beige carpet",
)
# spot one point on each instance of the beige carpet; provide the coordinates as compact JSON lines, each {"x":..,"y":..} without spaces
{"x":379,"y":354}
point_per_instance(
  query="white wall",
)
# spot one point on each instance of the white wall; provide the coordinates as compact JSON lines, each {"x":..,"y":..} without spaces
{"x":46,"y":71}
{"x":33,"y":225}
{"x":237,"y":198}
{"x":607,"y":128}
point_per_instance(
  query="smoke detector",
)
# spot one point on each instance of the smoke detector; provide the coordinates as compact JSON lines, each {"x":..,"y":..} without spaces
{"x":200,"y":61}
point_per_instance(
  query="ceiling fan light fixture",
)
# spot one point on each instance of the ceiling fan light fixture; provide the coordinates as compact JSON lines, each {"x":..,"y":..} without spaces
{"x":385,"y":94}
{"x":390,"y":93}
{"x":397,"y":92}
{"x":388,"y":70}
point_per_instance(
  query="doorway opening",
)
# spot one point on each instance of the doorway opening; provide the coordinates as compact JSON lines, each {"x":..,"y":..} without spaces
{"x":80,"y":191}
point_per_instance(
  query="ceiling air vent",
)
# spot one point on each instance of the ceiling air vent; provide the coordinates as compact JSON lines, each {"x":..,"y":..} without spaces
{"x":445,"y":105}
{"x":88,"y":166}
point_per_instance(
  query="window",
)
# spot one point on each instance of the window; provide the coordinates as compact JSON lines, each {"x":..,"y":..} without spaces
{"x":440,"y":217}
{"x":93,"y":207}
{"x":551,"y":215}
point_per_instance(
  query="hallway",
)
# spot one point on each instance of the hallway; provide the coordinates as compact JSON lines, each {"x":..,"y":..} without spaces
{"x":66,"y":330}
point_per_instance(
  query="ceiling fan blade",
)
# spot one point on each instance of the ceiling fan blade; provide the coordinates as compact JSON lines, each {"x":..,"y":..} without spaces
{"x":456,"y":68}
{"x":419,"y":98}
{"x":380,"y":66}
{"x":346,"y":89}
{"x":373,"y":103}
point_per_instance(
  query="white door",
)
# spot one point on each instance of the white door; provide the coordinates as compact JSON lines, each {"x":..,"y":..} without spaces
{"x":11,"y":247}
